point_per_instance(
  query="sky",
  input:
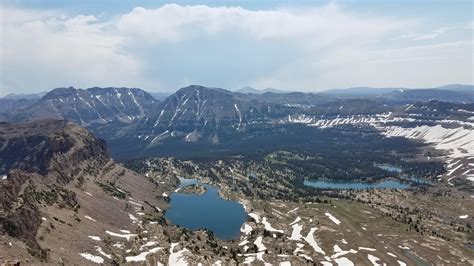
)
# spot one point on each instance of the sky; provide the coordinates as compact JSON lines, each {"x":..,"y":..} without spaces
{"x":288,"y":45}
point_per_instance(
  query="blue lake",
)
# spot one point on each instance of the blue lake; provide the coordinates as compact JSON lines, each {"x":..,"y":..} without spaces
{"x":390,"y":168}
{"x":386,"y":184}
{"x":398,"y":170}
{"x":223,"y":217}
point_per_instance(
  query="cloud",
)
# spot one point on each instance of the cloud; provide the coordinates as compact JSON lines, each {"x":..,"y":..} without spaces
{"x":425,"y":36}
{"x":319,"y":26}
{"x":173,"y":46}
{"x":42,"y":52}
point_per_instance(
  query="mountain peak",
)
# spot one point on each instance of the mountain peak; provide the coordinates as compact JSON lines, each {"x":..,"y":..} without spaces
{"x":199,"y":88}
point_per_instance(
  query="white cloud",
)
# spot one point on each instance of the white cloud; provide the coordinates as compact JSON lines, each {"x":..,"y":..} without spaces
{"x":229,"y":47}
{"x":43,"y":52}
{"x":425,"y":36}
{"x":318,"y":26}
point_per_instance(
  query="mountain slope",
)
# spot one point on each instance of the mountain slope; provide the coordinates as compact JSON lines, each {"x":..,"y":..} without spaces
{"x":410,"y":96}
{"x":197,"y":112}
{"x":452,"y":93}
{"x":94,"y":105}
{"x":59,"y":183}
{"x":25,"y":96}
{"x":11,"y":106}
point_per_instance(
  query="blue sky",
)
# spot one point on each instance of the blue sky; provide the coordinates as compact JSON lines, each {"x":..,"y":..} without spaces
{"x":291,"y":45}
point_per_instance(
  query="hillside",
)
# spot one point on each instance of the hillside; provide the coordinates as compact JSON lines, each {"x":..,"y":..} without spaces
{"x":93,"y":105}
{"x":59,"y":183}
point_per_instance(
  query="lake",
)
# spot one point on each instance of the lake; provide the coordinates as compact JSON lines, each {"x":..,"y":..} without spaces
{"x":386,"y":184}
{"x":398,"y":170}
{"x":223,"y":217}
{"x":389,"y":168}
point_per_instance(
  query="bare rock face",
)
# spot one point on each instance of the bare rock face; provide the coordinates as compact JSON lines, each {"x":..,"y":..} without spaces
{"x":58,"y":183}
{"x":50,"y":147}
{"x":36,"y":159}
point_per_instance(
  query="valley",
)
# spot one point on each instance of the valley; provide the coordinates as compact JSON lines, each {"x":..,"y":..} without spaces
{"x":228,"y":133}
{"x":213,"y":177}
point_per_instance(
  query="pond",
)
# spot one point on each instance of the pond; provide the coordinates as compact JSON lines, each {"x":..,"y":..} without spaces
{"x":390,"y":168}
{"x":402,"y":182}
{"x":223,"y":217}
{"x":386,"y":184}
{"x":398,"y":170}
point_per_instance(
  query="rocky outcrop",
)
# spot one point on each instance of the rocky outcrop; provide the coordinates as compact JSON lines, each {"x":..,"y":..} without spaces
{"x":37,"y":160}
{"x":55,"y":148}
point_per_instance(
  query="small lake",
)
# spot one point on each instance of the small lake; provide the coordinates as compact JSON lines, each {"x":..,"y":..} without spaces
{"x":398,"y":170}
{"x":404,"y":182}
{"x":223,"y":217}
{"x":386,"y":184}
{"x":390,"y":168}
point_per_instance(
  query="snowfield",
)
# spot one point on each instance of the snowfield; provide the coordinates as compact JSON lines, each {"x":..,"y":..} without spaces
{"x":455,"y":137}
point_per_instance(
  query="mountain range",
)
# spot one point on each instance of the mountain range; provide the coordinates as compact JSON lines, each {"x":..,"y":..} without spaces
{"x":60,"y":179}
{"x":198,"y":114}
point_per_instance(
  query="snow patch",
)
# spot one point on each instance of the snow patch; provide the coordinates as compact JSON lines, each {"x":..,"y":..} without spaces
{"x":334,"y":219}
{"x":312,"y":242}
{"x":296,"y":220}
{"x":374,"y":260}
{"x":142,"y":256}
{"x":296,"y":233}
{"x":269,"y":227}
{"x":90,"y":218}
{"x":259,"y":243}
{"x":177,"y":258}
{"x":343,"y":261}
{"x":127,"y":236}
{"x":93,"y":258}
{"x":368,"y":249}
{"x":254,"y":216}
{"x":246,"y":229}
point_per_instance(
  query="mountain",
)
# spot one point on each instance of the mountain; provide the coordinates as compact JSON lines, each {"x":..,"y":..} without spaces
{"x":440,"y":110}
{"x":458,"y":87}
{"x":160,"y":95}
{"x":350,"y":106}
{"x":247,"y":90}
{"x":196,"y":112}
{"x":359,"y":92}
{"x":93,"y":105}
{"x":203,"y":115}
{"x":422,"y":95}
{"x":58,"y":183}
{"x":25,"y":96}
{"x":292,"y":99}
{"x":12,"y":106}
{"x":452,"y":93}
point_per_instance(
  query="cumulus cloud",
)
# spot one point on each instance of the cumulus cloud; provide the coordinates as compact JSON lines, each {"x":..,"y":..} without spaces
{"x":42,"y":52}
{"x":230,"y":47}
